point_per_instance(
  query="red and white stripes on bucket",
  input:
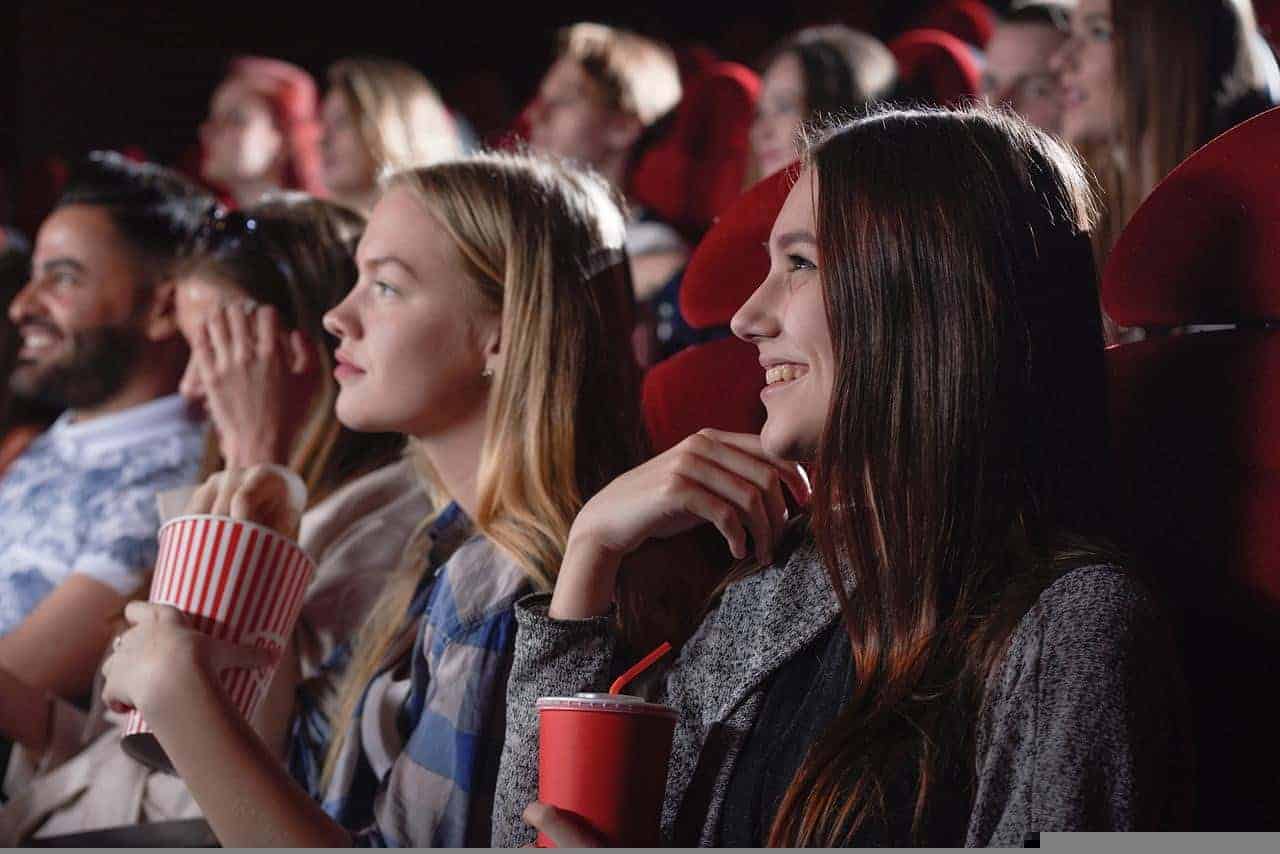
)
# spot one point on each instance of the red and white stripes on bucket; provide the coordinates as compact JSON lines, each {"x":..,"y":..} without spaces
{"x":236,"y":581}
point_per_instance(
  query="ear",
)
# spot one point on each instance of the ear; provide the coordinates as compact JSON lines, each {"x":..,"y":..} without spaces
{"x":623,"y":130}
{"x":301,"y":356}
{"x":492,"y":341}
{"x":160,"y":322}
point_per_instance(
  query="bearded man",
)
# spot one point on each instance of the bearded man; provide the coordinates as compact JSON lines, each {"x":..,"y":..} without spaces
{"x":78,"y":513}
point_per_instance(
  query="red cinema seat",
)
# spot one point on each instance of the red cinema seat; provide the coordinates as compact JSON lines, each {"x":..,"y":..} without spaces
{"x":1196,"y":431}
{"x":698,"y":166}
{"x":937,"y":67}
{"x":717,"y":384}
{"x":971,"y":21}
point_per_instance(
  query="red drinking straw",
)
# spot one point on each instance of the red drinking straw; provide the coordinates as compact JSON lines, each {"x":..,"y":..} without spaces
{"x":639,"y":667}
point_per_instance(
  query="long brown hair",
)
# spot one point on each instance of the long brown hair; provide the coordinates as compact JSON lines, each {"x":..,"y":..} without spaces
{"x":965,"y":430}
{"x":542,"y":244}
{"x":298,"y":258}
{"x":1182,"y":77}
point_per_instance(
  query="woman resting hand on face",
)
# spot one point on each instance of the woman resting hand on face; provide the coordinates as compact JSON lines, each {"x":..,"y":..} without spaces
{"x":940,"y":652}
{"x":448,"y":336}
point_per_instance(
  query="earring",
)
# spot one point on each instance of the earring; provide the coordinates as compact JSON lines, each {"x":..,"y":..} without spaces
{"x":487,"y":373}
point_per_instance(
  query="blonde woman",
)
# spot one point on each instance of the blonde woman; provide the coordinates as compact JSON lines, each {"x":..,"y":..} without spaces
{"x":380,"y":116}
{"x":291,"y":257}
{"x":486,"y":323}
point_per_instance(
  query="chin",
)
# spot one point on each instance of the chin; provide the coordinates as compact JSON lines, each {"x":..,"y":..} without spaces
{"x":785,"y":444}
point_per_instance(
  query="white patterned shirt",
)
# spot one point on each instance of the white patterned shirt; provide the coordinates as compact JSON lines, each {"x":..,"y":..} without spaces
{"x":82,"y":498}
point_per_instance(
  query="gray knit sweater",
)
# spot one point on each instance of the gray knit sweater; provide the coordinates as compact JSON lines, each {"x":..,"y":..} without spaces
{"x":1082,"y":729}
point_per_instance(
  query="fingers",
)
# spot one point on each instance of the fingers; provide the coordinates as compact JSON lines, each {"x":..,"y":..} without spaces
{"x":218,"y":334}
{"x":733,"y":504}
{"x":565,"y":830}
{"x":751,"y":483}
{"x":240,"y":338}
{"x":791,"y":473}
{"x":224,"y":655}
{"x":205,"y":496}
{"x":262,"y":497}
{"x":266,"y":331}
{"x":137,"y":612}
{"x":726,"y":516}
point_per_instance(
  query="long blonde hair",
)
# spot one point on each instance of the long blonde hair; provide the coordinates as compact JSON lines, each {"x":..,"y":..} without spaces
{"x":402,"y":120}
{"x":543,"y":245}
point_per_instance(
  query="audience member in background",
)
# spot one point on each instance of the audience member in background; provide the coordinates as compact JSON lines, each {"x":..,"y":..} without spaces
{"x":1142,"y":88}
{"x":605,"y":93}
{"x":21,"y":418}
{"x":380,"y":116}
{"x":486,"y":325}
{"x":100,"y":338}
{"x":816,"y":73}
{"x":1017,"y":72}
{"x":256,"y":284}
{"x":263,"y":131}
{"x":942,"y":653}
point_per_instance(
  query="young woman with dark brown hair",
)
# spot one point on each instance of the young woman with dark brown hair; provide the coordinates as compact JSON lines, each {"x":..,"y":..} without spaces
{"x":940,"y":652}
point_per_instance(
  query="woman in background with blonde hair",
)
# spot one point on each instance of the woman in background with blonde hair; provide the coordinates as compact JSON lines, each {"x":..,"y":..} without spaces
{"x":380,"y":116}
{"x":488,"y":323}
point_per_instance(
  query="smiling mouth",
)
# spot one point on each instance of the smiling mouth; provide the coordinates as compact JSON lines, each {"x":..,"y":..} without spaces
{"x":778,"y":374}
{"x":37,"y":341}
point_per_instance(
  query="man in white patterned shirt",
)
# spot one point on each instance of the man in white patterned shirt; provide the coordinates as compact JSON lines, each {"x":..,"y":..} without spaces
{"x":78,"y":516}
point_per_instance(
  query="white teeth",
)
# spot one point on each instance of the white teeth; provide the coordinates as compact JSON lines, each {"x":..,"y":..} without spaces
{"x":783,"y":373}
{"x":37,"y":341}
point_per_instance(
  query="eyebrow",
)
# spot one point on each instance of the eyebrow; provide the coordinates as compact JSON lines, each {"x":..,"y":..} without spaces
{"x":63,"y":263}
{"x":792,"y":237}
{"x":391,"y":260}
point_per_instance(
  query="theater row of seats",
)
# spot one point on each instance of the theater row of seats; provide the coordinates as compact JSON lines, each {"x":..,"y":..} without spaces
{"x":1195,"y":421}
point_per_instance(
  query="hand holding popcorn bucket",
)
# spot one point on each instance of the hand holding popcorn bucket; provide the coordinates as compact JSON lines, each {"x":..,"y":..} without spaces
{"x":236,"y":581}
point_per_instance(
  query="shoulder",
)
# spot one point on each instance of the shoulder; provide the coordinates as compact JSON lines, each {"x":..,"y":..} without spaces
{"x":1090,"y":632}
{"x":476,"y":587}
{"x":1091,"y":604}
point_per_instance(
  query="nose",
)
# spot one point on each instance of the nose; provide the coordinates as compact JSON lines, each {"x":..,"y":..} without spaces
{"x":25,"y":303}
{"x":341,"y":321}
{"x":1064,"y":58}
{"x":757,"y":320}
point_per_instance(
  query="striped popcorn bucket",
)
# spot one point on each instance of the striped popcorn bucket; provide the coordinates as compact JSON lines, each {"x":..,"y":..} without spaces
{"x":236,"y":581}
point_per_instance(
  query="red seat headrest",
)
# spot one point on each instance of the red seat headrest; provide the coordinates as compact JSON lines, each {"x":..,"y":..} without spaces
{"x":1205,"y":245}
{"x":716,"y":384}
{"x":730,"y":262}
{"x":939,"y":64}
{"x":698,"y":166}
{"x":969,"y":20}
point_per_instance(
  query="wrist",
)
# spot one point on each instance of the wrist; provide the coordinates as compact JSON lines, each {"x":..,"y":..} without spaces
{"x":257,"y":452}
{"x":585,"y":585}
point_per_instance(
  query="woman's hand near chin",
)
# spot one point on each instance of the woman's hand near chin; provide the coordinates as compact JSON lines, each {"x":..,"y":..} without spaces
{"x":725,"y":479}
{"x":246,"y":363}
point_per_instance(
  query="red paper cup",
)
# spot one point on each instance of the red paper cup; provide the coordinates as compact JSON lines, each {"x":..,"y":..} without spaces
{"x":237,"y":582}
{"x":603,"y":757}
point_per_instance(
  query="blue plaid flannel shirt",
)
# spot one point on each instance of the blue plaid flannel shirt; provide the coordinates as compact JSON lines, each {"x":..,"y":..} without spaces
{"x":420,"y":762}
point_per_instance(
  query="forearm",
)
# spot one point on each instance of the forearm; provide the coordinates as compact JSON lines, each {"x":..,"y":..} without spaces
{"x":246,"y":794}
{"x":24,"y":712}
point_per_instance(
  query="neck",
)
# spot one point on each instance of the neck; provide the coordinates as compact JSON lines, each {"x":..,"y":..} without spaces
{"x":455,"y":457}
{"x":153,"y":379}
{"x":614,"y":168}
